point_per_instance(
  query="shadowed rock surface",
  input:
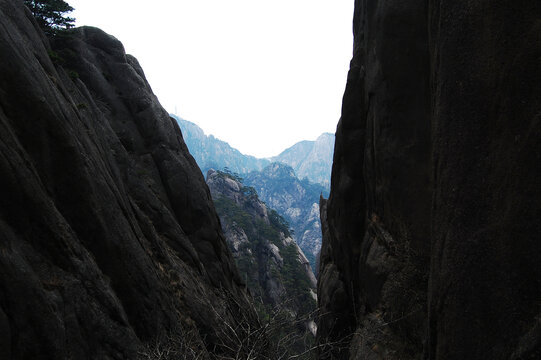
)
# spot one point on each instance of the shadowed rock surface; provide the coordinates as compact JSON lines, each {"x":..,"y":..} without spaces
{"x":431,"y":233}
{"x":109,"y":237}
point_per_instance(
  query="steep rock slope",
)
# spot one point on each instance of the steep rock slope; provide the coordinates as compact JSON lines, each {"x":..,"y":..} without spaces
{"x":485,"y":285}
{"x":109,"y":235}
{"x":310,"y":159}
{"x":275,"y":269}
{"x":430,"y":232}
{"x":212,"y":153}
{"x":296,"y":200}
{"x":377,"y":215}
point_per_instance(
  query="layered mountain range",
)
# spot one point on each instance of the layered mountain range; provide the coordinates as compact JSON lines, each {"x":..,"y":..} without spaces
{"x":309,"y":159}
{"x":212,"y":153}
{"x":276,"y":183}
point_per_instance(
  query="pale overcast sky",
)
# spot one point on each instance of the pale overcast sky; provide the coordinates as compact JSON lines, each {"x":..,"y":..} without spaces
{"x":259,"y":74}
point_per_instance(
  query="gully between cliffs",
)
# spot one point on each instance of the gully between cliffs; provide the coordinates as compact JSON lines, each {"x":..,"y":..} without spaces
{"x":109,"y":240}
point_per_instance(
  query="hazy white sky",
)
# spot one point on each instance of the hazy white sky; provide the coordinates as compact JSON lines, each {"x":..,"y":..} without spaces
{"x":259,"y":74}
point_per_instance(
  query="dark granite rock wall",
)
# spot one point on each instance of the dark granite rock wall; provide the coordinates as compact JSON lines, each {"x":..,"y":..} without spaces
{"x":430,"y":233}
{"x":109,"y":238}
{"x":485,"y":287}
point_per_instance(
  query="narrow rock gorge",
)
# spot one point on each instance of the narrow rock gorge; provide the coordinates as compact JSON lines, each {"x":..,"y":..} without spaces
{"x":431,"y":231}
{"x":111,"y":247}
{"x":110,"y":244}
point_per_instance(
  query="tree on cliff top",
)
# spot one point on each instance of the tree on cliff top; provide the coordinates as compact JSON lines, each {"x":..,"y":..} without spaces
{"x":51,"y":14}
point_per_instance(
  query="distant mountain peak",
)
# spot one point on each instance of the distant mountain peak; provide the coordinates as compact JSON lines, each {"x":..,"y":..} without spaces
{"x":279,"y":170}
{"x":210,"y":152}
{"x":311,"y":159}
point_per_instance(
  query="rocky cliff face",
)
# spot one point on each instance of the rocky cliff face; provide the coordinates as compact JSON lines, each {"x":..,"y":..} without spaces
{"x":430,"y":232}
{"x":310,"y":159}
{"x":297,"y":200}
{"x":275,"y":269}
{"x":109,"y":238}
{"x":259,"y":238}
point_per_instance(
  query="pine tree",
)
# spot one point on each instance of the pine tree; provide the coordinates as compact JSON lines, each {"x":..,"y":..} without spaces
{"x":51,"y":14}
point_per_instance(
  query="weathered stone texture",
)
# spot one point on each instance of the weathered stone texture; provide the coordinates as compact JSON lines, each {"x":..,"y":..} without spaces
{"x":108,"y":233}
{"x":431,"y":229}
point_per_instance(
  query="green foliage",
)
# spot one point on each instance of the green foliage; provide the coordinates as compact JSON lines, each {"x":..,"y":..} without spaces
{"x":292,"y":273}
{"x":285,"y":330}
{"x":255,"y":229}
{"x":233,"y":212}
{"x":51,"y":14}
{"x":250,"y":192}
{"x":228,"y":173}
{"x":74,"y":75}
{"x":279,"y":222}
{"x":56,"y":58}
{"x":295,"y":280}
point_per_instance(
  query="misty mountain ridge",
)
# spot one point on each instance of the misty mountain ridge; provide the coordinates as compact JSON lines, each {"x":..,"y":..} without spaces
{"x":309,"y":159}
{"x":278,"y":183}
{"x":212,"y":153}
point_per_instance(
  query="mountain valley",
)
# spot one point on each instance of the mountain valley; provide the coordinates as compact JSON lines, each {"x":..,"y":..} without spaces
{"x":114,"y":246}
{"x":276,"y":183}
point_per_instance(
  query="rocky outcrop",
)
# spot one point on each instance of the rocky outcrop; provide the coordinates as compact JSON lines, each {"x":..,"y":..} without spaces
{"x":430,"y":230}
{"x":109,"y":238}
{"x":276,"y":271}
{"x":268,"y":257}
{"x":296,"y":200}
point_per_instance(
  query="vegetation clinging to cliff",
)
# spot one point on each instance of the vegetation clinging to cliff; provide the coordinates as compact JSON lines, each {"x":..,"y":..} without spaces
{"x":51,"y":14}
